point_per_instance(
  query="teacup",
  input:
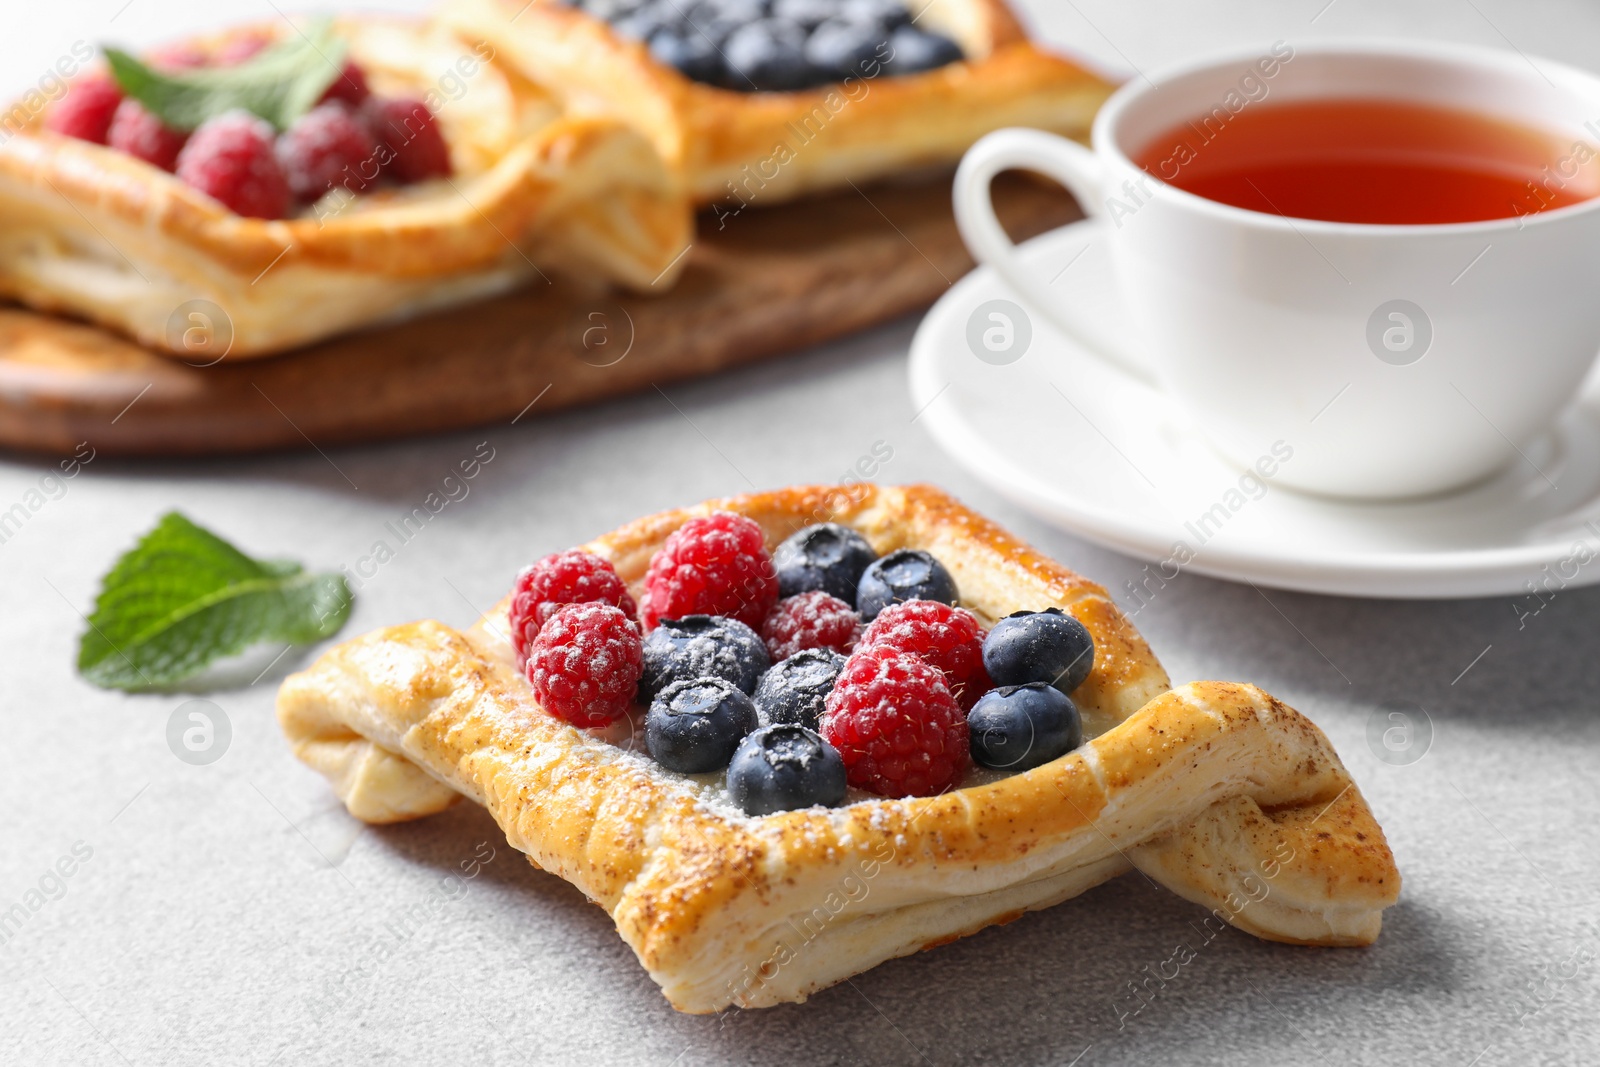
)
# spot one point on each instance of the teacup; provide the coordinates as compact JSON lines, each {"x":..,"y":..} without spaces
{"x":1395,"y":359}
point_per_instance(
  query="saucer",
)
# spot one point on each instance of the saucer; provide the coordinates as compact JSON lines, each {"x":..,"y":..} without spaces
{"x":1104,"y":454}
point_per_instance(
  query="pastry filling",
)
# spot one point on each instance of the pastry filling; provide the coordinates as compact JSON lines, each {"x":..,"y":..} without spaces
{"x":778,"y":45}
{"x":266,"y":128}
{"x":792,"y":678}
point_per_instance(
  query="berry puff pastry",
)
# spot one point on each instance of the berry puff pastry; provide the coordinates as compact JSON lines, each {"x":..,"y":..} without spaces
{"x":429,"y":174}
{"x":1215,"y":790}
{"x":760,"y":101}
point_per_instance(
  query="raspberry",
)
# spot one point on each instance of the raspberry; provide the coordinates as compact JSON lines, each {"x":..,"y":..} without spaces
{"x":810,"y":620}
{"x":323,"y":146}
{"x":416,"y":147}
{"x":584,"y":665}
{"x":230,"y":158}
{"x":86,"y":111}
{"x":562,"y":578}
{"x":947,"y":638}
{"x":138,"y":132}
{"x":713,"y":565}
{"x":350,"y":86}
{"x":893,"y":720}
{"x":240,"y":48}
{"x":178,"y":57}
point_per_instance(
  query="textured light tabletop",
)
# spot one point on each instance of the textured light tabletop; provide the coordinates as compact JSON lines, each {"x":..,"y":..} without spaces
{"x":232,"y":913}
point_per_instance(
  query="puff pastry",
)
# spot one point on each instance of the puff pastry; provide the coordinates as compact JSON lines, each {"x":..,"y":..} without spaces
{"x":737,"y":148}
{"x":89,"y":231}
{"x":1215,"y":790}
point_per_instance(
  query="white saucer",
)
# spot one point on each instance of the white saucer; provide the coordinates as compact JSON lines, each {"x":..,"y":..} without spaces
{"x":1109,"y":458}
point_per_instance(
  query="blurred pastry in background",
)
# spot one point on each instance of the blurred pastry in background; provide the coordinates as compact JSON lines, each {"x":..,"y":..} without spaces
{"x":287,"y":183}
{"x":766,"y":100}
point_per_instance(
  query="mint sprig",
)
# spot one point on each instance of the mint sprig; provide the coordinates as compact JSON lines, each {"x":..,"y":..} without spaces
{"x":183,"y":597}
{"x":279,"y":84}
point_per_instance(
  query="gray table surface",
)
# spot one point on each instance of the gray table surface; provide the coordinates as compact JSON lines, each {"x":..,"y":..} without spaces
{"x":233,"y":913}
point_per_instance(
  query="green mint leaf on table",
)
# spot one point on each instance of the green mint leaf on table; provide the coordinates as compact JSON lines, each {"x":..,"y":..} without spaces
{"x":279,"y":84}
{"x":183,"y":597}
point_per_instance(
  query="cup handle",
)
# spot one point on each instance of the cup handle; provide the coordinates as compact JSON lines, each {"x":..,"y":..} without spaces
{"x":1076,"y":168}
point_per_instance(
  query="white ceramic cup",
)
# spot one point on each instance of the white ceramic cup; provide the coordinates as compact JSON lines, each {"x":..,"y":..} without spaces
{"x":1396,"y":360}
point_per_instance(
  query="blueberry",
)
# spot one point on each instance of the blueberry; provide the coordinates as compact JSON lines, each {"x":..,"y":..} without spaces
{"x":1017,"y":727}
{"x":795,"y":689}
{"x":843,"y":49}
{"x":905,"y":574}
{"x":689,"y":52}
{"x":737,"y":10}
{"x":1047,"y":646}
{"x":827,"y":556}
{"x":784,"y":766}
{"x":769,"y":56}
{"x":804,"y":13}
{"x":887,"y":14}
{"x":647,"y":20}
{"x":718,"y":19}
{"x":611,"y":10}
{"x":717,"y":31}
{"x":916,"y":50}
{"x":702,"y":646}
{"x":695,"y":726}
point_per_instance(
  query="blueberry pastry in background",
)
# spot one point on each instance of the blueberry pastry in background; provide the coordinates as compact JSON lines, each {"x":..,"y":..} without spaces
{"x":759,"y":101}
{"x":752,"y":46}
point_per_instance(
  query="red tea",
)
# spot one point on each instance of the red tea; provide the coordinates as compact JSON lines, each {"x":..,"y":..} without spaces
{"x":1373,"y":161}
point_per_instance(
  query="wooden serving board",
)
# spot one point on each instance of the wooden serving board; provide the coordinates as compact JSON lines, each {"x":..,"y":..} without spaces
{"x":769,"y":281}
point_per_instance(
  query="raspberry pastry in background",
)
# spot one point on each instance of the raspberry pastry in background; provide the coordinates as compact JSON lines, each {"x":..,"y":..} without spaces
{"x":280,"y":184}
{"x":209,"y":116}
{"x":999,"y":738}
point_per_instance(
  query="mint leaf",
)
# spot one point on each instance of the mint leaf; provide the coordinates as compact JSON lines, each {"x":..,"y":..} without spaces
{"x":279,"y":84}
{"x":183,"y":597}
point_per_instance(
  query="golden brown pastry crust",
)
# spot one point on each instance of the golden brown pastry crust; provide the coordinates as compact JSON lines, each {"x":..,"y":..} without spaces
{"x":88,"y":230}
{"x":1215,"y":790}
{"x":764,"y":148}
